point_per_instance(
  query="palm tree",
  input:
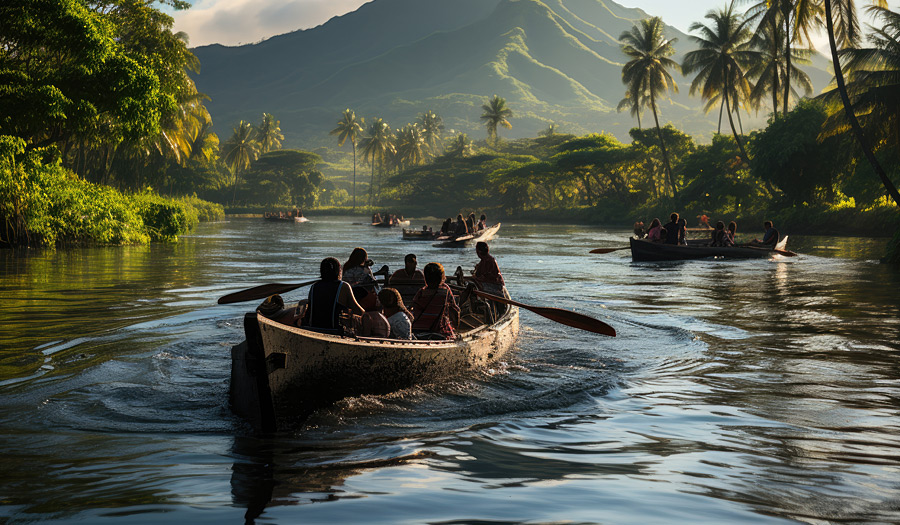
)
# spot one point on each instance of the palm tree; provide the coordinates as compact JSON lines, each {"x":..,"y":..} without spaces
{"x":720,"y":61}
{"x":635,"y":101}
{"x":349,"y":127}
{"x":648,"y":70}
{"x":432,"y":128}
{"x":240,"y":150}
{"x":496,"y":113}
{"x":376,"y":145}
{"x":846,"y":29}
{"x":411,"y":146}
{"x":268,"y":134}
{"x":460,"y":147}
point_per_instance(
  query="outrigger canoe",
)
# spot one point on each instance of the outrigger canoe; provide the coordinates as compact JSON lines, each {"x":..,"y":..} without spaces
{"x":644,"y":250}
{"x":279,"y":372}
{"x":463,"y":240}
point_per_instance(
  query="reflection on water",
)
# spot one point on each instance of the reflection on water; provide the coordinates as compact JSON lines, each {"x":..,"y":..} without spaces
{"x":737,"y":391}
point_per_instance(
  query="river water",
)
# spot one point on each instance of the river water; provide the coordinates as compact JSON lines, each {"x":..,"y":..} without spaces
{"x":761,"y":391}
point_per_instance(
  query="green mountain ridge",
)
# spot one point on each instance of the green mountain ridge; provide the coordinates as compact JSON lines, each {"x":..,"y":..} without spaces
{"x":555,"y":61}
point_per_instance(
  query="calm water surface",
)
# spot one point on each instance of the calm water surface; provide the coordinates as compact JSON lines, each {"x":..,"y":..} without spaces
{"x":737,"y":391}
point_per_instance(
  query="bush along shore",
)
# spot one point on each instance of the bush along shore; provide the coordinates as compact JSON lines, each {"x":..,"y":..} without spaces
{"x":43,"y":204}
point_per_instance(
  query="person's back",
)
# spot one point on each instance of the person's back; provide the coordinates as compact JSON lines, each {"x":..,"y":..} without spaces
{"x":461,"y":228}
{"x":771,"y":236}
{"x":432,"y":305}
{"x":672,"y":230}
{"x":407,"y":280}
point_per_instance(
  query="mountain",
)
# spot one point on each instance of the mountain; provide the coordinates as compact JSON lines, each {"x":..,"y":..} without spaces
{"x":555,"y":61}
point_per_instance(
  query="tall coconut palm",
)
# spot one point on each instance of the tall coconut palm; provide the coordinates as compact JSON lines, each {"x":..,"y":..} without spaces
{"x":648,"y":71}
{"x":268,"y":133}
{"x":795,"y":20}
{"x":721,"y":61}
{"x":377,"y":144}
{"x":496,"y":113}
{"x":349,"y":128}
{"x":844,"y":27}
{"x":432,"y":127}
{"x":240,"y":150}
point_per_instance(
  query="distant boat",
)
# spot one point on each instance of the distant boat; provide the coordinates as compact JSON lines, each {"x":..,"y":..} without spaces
{"x":644,"y":250}
{"x":390,"y":225}
{"x":276,"y":218}
{"x":463,"y":240}
{"x":420,"y":235}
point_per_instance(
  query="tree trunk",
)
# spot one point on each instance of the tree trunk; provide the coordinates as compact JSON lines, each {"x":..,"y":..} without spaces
{"x":721,"y":107}
{"x":372,"y":184}
{"x":774,"y":71}
{"x":848,"y":109}
{"x":737,"y":138}
{"x":662,"y":146}
{"x":787,"y":56}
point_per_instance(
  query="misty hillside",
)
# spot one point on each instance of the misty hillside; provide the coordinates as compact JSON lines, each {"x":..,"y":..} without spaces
{"x":555,"y":61}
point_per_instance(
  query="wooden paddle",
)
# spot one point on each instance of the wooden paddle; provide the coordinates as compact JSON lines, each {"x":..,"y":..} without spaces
{"x":608,"y":250}
{"x":566,"y":317}
{"x":262,"y":291}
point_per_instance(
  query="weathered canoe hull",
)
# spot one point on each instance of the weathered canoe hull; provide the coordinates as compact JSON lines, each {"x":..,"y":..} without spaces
{"x":642,"y":250}
{"x":280,"y":371}
{"x":484,"y":235}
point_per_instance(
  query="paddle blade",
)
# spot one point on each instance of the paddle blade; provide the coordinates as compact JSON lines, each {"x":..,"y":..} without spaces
{"x":566,"y":317}
{"x":261,"y":292}
{"x":608,"y":250}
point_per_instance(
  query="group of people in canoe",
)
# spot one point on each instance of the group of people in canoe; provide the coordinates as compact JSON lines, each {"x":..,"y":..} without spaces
{"x":463,"y":225}
{"x":389,"y":219}
{"x":348,"y":300}
{"x":284,"y":214}
{"x":674,"y":232}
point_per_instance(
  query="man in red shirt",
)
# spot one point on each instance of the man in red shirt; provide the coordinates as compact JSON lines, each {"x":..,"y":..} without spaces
{"x":487,"y":271}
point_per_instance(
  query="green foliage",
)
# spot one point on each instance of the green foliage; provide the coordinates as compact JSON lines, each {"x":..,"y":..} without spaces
{"x":43,"y":204}
{"x":284,"y":178}
{"x":789,"y":155}
{"x":719,"y":183}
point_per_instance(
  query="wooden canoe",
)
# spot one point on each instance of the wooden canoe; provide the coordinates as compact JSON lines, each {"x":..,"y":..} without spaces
{"x":644,"y":250}
{"x":464,"y":240}
{"x":273,"y":218}
{"x":280,"y":371}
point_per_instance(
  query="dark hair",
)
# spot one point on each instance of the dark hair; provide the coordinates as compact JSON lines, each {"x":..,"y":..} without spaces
{"x":720,"y":225}
{"x":482,"y":246}
{"x":674,"y":217}
{"x":682,"y":221}
{"x":459,"y":216}
{"x":768,"y":224}
{"x":330,"y":269}
{"x":654,"y":222}
{"x":357,"y":258}
{"x":434,"y":274}
{"x":410,"y":256}
{"x":483,"y":217}
{"x":732,"y":226}
{"x":391,"y":297}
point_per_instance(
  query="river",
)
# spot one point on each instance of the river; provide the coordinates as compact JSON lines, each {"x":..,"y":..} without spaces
{"x":759,"y":391}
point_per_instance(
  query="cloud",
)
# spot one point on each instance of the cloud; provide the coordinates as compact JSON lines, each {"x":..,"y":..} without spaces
{"x":234,"y":22}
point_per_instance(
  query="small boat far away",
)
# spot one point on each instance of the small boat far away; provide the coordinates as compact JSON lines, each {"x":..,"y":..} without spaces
{"x":644,"y":250}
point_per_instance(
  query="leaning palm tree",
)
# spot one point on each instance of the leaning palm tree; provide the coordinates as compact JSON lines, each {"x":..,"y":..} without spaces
{"x":496,"y":113}
{"x":648,"y":71}
{"x":845,"y":28}
{"x":239,"y":151}
{"x":349,"y":127}
{"x":432,"y":128}
{"x":376,"y":146}
{"x":268,"y":133}
{"x":721,"y":60}
{"x":635,"y":101}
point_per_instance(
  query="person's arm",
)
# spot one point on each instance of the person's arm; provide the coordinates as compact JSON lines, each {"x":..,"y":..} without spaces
{"x":346,"y":298}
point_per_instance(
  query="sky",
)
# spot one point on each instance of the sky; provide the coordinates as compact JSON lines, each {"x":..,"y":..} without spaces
{"x":235,"y":22}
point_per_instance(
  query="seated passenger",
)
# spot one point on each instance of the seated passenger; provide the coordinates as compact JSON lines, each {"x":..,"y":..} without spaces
{"x":374,"y":324}
{"x":672,"y":230}
{"x":654,"y":234}
{"x":487,"y":271}
{"x":719,"y":235}
{"x":639,"y":232}
{"x":434,"y":305}
{"x":407,"y":280}
{"x":329,"y":298}
{"x":730,"y":234}
{"x":447,"y":226}
{"x":358,"y":273}
{"x":482,"y":223}
{"x":398,"y":317}
{"x":771,"y":237}
{"x":461,"y":228}
{"x":682,"y":231}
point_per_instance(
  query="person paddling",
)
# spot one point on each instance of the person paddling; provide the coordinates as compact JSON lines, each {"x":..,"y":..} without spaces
{"x":770,"y":238}
{"x":329,"y":298}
